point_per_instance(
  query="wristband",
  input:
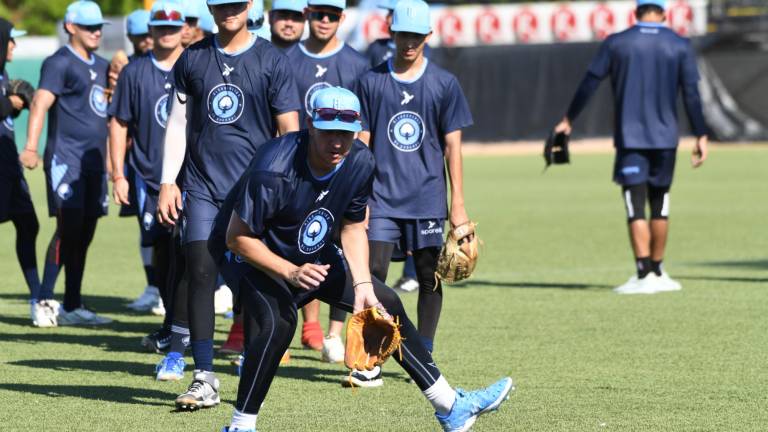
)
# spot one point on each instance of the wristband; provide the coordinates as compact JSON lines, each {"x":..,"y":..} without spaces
{"x":115,"y":179}
{"x":356,"y":284}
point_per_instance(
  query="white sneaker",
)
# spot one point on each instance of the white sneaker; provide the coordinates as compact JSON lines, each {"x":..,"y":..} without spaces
{"x":647,"y":285}
{"x":159,"y":308}
{"x":222,"y":300}
{"x":363,"y":378}
{"x":202,"y":393}
{"x":81,"y":316}
{"x":406,"y":284}
{"x":666,"y":283}
{"x":45,"y":313}
{"x":333,"y":349}
{"x":146,"y":300}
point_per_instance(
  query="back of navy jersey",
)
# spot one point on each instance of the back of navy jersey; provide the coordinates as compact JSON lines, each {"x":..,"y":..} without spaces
{"x":232,"y":101}
{"x":648,"y":65}
{"x":408,"y":121}
{"x":77,"y":121}
{"x":9,"y":155}
{"x":295,"y":213}
{"x":141,"y":100}
{"x":313,"y":72}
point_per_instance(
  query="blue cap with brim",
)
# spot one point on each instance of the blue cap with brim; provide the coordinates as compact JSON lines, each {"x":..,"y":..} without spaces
{"x":337,"y":98}
{"x":17,"y":33}
{"x":256,"y":14}
{"x":205,"y":22}
{"x":193,"y":8}
{"x":167,"y":7}
{"x":290,"y":5}
{"x":221,"y":2}
{"x":386,"y":4}
{"x":137,"y":23}
{"x":339,"y":4}
{"x":85,"y":13}
{"x":411,"y":16}
{"x":659,"y":3}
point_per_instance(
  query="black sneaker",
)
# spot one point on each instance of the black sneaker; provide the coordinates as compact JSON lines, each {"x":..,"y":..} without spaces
{"x":158,"y":341}
{"x":363,"y":378}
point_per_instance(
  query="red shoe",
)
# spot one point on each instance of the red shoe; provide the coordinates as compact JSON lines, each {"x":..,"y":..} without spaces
{"x":235,"y":340}
{"x":312,"y":335}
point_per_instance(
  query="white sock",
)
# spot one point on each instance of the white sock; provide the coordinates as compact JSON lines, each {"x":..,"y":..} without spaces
{"x":441,"y":396}
{"x":243,"y":421}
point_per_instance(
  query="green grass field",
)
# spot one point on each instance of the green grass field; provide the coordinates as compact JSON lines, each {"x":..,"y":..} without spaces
{"x":539,"y":308}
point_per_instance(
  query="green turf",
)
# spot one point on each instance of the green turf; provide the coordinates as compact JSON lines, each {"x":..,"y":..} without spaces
{"x":539,"y":309}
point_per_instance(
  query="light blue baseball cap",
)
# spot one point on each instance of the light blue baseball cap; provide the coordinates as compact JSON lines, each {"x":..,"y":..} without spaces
{"x":205,"y":22}
{"x":193,"y":8}
{"x":337,"y":98}
{"x":660,"y":3}
{"x":256,"y":15}
{"x":411,"y":16}
{"x":386,"y":4}
{"x":221,"y":2}
{"x":340,"y":4}
{"x":166,"y":13}
{"x":137,"y":22}
{"x":17,"y":33}
{"x":291,"y":5}
{"x":85,"y":13}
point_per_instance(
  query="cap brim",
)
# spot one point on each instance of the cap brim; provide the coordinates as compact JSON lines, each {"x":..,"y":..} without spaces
{"x":160,"y":23}
{"x":17,"y":33}
{"x":337,"y":125}
{"x":409,"y":29}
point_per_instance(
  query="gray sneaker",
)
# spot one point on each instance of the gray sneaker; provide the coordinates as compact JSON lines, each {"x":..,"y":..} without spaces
{"x":202,"y":393}
{"x":81,"y":316}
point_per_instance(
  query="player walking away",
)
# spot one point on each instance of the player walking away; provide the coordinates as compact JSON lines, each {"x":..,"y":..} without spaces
{"x":191,"y":33}
{"x":237,"y":92}
{"x":15,"y":202}
{"x":286,"y":23}
{"x":648,"y":64}
{"x":139,"y":110}
{"x":303,"y":199}
{"x":413,"y":113}
{"x":324,"y":61}
{"x":72,"y":83}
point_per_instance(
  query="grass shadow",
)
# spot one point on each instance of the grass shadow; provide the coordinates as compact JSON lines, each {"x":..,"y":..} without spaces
{"x":117,"y":394}
{"x":555,"y":285}
{"x":304,"y":373}
{"x":726,"y":279}
{"x":132,"y":368}
{"x":759,"y":264}
{"x":110,"y":343}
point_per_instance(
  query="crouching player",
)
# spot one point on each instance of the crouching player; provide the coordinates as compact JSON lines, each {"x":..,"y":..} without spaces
{"x":280,"y":221}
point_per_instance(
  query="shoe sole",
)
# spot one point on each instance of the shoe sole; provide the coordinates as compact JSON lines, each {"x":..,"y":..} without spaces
{"x":354,"y":383}
{"x":492,"y":407}
{"x":192,"y":405}
{"x":170,"y":377}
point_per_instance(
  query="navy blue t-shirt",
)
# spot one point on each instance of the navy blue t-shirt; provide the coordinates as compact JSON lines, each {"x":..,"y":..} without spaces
{"x":648,"y":65}
{"x":382,"y":50}
{"x":9,"y":155}
{"x":77,"y":121}
{"x":313,"y":72}
{"x":141,"y":100}
{"x":232,"y":102}
{"x":408,"y":121}
{"x":296,"y":214}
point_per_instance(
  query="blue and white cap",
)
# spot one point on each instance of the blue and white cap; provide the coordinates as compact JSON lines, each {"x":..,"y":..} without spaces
{"x":205,"y":22}
{"x":221,"y":2}
{"x":660,"y":3}
{"x":17,"y":33}
{"x":386,"y":4}
{"x":85,"y":13}
{"x":340,"y":4}
{"x":290,"y":5}
{"x":256,"y":15}
{"x":411,"y":16}
{"x":166,"y":13}
{"x":193,"y":8}
{"x":337,"y":98}
{"x":137,"y":22}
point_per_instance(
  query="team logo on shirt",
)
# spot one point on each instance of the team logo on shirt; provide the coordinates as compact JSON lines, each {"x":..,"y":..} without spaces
{"x":406,"y":131}
{"x":225,"y":103}
{"x":312,"y":90}
{"x":98,"y":100}
{"x":161,"y":111}
{"x":314,"y":230}
{"x":8,"y":123}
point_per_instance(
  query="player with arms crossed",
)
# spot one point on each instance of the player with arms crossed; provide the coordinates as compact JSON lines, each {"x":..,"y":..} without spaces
{"x":279,"y":223}
{"x":233,"y":92}
{"x":72,"y":86}
{"x":413,"y":112}
{"x":648,"y":65}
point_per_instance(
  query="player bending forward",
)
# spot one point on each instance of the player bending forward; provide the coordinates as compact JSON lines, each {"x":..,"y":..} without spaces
{"x":279,"y":223}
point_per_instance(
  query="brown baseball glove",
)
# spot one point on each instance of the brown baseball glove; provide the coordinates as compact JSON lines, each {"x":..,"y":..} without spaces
{"x":459,"y":256}
{"x":22,"y":89}
{"x":371,"y":339}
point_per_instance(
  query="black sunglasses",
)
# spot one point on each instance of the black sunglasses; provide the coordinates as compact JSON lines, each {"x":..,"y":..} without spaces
{"x":91,"y":28}
{"x":330,"y":114}
{"x":320,"y":14}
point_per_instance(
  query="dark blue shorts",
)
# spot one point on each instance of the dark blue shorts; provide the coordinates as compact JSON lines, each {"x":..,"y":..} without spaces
{"x":638,"y":166}
{"x":131,"y":209}
{"x":14,"y":197}
{"x":199,"y":215}
{"x":407,"y":234}
{"x":146,"y":205}
{"x":70,"y":188}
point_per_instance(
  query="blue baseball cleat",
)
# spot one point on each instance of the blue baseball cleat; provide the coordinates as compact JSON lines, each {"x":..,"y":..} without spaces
{"x":171,"y":367}
{"x":469,"y":405}
{"x":227,"y":429}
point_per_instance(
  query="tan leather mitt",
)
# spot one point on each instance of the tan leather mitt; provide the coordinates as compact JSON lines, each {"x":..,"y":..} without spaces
{"x":371,"y":339}
{"x":459,"y":256}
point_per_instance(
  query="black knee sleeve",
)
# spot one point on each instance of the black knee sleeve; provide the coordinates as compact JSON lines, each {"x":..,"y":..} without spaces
{"x":430,"y":302}
{"x":658,"y":197}
{"x":380,"y":254}
{"x":337,"y":314}
{"x":634,"y":201}
{"x":202,"y":272}
{"x":27,"y":228}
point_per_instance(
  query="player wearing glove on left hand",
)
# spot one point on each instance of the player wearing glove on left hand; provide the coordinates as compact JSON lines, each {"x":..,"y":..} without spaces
{"x":279,"y":223}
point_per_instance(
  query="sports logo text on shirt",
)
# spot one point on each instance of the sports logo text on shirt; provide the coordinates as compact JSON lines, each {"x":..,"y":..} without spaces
{"x":225,"y":103}
{"x":406,"y":131}
{"x":161,"y":111}
{"x":98,"y":100}
{"x":314,"y":230}
{"x":312,"y":90}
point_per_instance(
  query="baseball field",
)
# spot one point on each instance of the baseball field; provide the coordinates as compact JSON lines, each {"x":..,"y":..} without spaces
{"x":539,"y":308}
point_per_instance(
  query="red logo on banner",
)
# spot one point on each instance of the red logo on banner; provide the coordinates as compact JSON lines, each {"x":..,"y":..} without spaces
{"x":487,"y":26}
{"x":449,"y":26}
{"x":680,"y":16}
{"x":375,"y":27}
{"x":601,"y":21}
{"x":525,"y":24}
{"x":563,"y":23}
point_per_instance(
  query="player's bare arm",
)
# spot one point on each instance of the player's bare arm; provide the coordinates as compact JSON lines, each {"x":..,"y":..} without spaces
{"x":287,"y":122}
{"x":118,"y":142}
{"x":700,"y":151}
{"x":174,"y":149}
{"x":564,"y":126}
{"x":41,"y":103}
{"x":365,"y":137}
{"x":354,"y":243}
{"x":241,"y":241}
{"x":454,"y":160}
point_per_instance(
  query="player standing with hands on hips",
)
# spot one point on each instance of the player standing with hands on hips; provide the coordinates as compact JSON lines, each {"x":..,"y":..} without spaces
{"x":280,"y":223}
{"x":648,"y":65}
